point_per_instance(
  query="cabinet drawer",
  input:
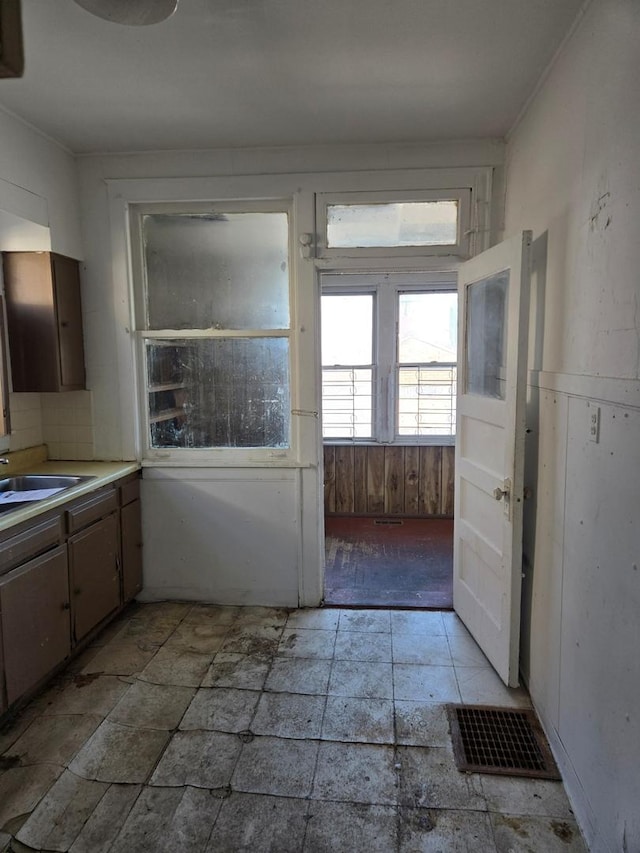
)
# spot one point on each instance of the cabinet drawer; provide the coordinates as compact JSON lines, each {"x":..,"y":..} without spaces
{"x":90,"y":510}
{"x":36,"y":540}
{"x":130,"y":492}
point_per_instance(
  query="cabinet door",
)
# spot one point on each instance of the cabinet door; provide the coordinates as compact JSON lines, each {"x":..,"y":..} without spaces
{"x":131,"y":530}
{"x":66,"y":277}
{"x":95,"y":575}
{"x":3,"y":699}
{"x":34,"y":603}
{"x":46,"y":344}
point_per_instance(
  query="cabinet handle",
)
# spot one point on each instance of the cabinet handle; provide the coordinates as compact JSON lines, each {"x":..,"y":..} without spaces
{"x":64,"y":324}
{"x":66,"y":606}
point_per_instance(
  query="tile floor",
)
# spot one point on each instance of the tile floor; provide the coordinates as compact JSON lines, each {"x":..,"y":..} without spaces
{"x":207,"y":729}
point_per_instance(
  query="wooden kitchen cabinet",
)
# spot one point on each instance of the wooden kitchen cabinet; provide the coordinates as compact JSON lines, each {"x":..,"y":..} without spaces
{"x":36,"y":631}
{"x":131,"y":537}
{"x":63,"y":575}
{"x":3,"y":698}
{"x":94,"y":562}
{"x":44,"y":320}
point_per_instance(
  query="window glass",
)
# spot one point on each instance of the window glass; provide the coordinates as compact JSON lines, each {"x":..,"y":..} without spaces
{"x":216,"y":270}
{"x":427,"y":327}
{"x":411,"y":223}
{"x":427,"y":345}
{"x":218,"y":392}
{"x":398,"y":382}
{"x":347,"y":358}
{"x":487,"y":335}
{"x":347,"y":329}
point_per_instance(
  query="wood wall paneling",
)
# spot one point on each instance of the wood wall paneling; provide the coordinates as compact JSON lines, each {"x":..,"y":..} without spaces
{"x":375,"y":478}
{"x":394,"y":480}
{"x":389,"y":480}
{"x":344,"y":479}
{"x":360,"y":496}
{"x":448,"y":463}
{"x":430,"y":480}
{"x":329,"y":479}
{"x":412,"y":480}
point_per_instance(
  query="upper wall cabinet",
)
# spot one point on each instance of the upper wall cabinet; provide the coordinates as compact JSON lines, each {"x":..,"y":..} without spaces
{"x":44,"y":320}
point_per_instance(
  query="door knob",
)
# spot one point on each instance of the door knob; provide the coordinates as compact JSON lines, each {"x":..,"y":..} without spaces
{"x":499,"y":493}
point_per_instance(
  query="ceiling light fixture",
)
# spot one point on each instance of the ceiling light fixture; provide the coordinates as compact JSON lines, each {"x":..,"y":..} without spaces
{"x":132,"y":13}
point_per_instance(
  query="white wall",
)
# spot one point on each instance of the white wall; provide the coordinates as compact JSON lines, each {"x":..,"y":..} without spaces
{"x":37,"y":166}
{"x":106,"y":296}
{"x":40,"y":210}
{"x":252,"y":535}
{"x":572,"y":176}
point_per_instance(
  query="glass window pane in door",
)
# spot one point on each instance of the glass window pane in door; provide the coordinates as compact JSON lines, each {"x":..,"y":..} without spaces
{"x":486,"y":336}
{"x":216,"y":270}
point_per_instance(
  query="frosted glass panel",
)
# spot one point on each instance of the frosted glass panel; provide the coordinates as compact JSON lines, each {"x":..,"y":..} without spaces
{"x":410,"y":223}
{"x":487,"y":335}
{"x":219,"y":392}
{"x":221,"y":271}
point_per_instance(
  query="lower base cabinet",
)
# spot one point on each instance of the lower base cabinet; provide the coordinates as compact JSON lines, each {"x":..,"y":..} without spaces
{"x":94,"y":575}
{"x":63,"y":575}
{"x":131,"y":531}
{"x":36,"y":625}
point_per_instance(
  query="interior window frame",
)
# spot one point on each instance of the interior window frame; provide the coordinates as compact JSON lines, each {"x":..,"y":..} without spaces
{"x":216,"y":456}
{"x":460,"y":249}
{"x":386,"y":289}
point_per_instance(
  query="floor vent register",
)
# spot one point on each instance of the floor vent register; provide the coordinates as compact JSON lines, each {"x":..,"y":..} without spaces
{"x":506,"y":741}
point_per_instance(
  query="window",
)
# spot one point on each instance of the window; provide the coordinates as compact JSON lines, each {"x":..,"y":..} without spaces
{"x":399,"y":223}
{"x":215,"y":327}
{"x":389,"y":353}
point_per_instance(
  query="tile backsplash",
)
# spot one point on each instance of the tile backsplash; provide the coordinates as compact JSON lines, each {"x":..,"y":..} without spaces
{"x":61,"y":421}
{"x":26,"y":421}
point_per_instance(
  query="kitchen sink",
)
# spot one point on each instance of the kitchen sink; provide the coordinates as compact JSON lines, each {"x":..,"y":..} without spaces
{"x":26,"y":489}
{"x":28,"y":482}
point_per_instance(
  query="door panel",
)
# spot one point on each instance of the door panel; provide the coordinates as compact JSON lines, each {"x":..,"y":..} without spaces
{"x":95,"y":576}
{"x":34,"y":601}
{"x":493,"y":312}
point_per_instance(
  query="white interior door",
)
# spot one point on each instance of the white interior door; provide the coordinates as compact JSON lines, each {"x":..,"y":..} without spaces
{"x":487,"y":575}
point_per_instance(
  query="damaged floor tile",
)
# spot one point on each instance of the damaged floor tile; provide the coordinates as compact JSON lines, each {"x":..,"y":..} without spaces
{"x":22,"y":788}
{"x":116,"y":753}
{"x":60,"y":816}
{"x":152,"y":706}
{"x":165,"y":820}
{"x":249,"y":823}
{"x":208,"y":729}
{"x":199,"y":759}
{"x":223,"y":710}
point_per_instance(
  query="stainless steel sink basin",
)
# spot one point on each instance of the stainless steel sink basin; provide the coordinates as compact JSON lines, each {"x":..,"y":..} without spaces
{"x":13,"y":489}
{"x":28,"y":482}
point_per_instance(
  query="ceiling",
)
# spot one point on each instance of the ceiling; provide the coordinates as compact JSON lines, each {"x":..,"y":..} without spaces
{"x":227,"y":73}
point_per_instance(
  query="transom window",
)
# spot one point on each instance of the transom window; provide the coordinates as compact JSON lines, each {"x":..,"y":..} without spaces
{"x":214,"y":325}
{"x":389,"y":352}
{"x":399,"y":223}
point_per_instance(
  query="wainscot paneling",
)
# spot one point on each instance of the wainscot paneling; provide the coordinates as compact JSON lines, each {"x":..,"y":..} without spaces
{"x":388,"y":480}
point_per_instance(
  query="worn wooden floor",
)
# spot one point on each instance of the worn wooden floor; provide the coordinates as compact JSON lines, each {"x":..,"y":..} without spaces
{"x":389,"y":562}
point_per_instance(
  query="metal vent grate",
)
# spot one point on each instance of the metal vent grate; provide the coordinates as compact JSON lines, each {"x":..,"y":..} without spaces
{"x":507,"y":741}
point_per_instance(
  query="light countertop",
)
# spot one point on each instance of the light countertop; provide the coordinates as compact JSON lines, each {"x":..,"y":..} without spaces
{"x":102,"y":472}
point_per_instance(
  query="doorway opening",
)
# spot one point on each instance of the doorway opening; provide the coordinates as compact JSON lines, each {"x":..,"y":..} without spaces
{"x":384,"y":562}
{"x":389,"y":350}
